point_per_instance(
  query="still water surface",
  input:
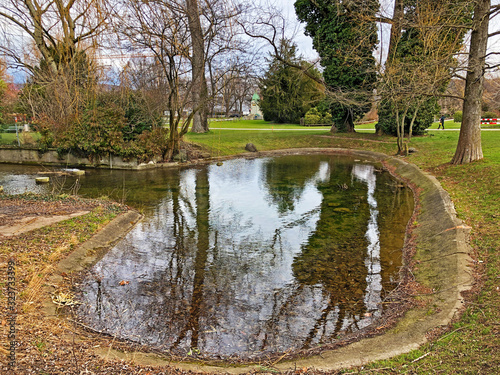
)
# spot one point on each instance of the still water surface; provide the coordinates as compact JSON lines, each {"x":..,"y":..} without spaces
{"x":252,"y":257}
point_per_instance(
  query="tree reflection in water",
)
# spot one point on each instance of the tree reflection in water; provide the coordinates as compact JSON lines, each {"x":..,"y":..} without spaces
{"x":253,"y":257}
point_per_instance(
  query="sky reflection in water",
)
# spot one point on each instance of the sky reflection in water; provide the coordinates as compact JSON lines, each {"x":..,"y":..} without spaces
{"x":252,"y":257}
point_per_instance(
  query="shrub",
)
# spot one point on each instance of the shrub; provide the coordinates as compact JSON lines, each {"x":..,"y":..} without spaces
{"x":152,"y":143}
{"x":315,"y":117}
{"x":425,"y":117}
{"x":312,"y":117}
{"x":99,"y":130}
{"x":489,"y":115}
{"x":457,"y":116}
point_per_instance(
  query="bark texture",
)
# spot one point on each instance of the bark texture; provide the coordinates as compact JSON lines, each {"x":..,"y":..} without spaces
{"x":469,"y":143}
{"x":199,"y":91}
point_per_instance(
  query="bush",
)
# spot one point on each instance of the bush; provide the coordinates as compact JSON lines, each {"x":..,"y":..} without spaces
{"x":457,"y":116}
{"x":425,"y":118}
{"x":152,"y":143}
{"x":315,"y":117}
{"x":489,"y":115}
{"x":312,"y":117}
{"x":99,"y":130}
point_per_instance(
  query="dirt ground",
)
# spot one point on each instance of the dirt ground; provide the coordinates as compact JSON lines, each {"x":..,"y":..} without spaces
{"x":48,"y":345}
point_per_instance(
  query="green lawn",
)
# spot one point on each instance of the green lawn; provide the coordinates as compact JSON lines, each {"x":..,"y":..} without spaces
{"x":471,"y":345}
{"x":256,"y":124}
{"x":448,"y":124}
{"x":8,"y":138}
{"x":11,"y":139}
{"x":230,"y":142}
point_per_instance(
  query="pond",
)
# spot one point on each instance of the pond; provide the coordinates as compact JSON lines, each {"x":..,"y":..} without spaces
{"x":249,"y":258}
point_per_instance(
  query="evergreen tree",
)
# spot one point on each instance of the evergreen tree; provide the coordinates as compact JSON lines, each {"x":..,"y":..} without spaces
{"x":287,"y":93}
{"x":426,"y":38}
{"x":345,"y":35}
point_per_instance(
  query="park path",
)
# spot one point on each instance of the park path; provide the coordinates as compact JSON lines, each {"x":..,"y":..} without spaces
{"x":316,"y":129}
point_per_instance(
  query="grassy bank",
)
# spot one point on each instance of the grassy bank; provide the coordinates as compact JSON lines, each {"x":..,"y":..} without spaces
{"x":222,"y":142}
{"x":24,"y":138}
{"x":472,"y":344}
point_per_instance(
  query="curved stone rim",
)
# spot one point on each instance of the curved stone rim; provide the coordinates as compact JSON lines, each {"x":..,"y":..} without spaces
{"x":442,"y":260}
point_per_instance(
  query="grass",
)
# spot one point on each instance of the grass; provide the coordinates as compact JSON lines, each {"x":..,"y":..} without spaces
{"x":471,"y":345}
{"x":24,"y":138}
{"x":448,"y":124}
{"x":252,"y":124}
{"x":223,"y":142}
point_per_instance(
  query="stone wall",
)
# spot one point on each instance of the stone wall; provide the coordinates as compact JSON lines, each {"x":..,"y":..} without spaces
{"x":11,"y":155}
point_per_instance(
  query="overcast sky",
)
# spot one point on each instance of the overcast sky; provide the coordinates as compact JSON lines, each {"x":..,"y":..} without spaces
{"x":304,"y":42}
{"x":296,"y":29}
{"x":386,"y":9}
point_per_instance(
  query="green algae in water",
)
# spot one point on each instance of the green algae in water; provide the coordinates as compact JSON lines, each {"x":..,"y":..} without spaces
{"x":253,"y":257}
{"x":248,"y":258}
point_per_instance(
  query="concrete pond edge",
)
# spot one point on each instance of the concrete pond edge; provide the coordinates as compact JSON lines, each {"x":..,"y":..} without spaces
{"x":442,"y":266}
{"x":88,"y":253}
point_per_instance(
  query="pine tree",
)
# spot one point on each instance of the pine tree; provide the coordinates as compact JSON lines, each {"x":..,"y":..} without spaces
{"x":286,"y":92}
{"x":344,"y":35}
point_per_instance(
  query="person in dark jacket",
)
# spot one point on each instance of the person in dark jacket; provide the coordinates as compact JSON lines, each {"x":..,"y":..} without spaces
{"x":441,"y":122}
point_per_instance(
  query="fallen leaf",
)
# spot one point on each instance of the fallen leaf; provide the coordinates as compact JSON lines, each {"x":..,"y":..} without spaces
{"x":123,"y":282}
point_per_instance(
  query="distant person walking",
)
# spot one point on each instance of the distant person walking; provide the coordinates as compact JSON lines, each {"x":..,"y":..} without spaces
{"x":441,"y":122}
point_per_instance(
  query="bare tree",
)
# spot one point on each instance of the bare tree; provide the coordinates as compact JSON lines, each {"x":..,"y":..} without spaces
{"x":230,"y":57}
{"x":186,"y":37}
{"x":409,"y":80}
{"x":161,"y":29}
{"x":234,"y":84}
{"x":225,"y":50}
{"x":53,"y":41}
{"x":244,"y":86}
{"x":57,"y":28}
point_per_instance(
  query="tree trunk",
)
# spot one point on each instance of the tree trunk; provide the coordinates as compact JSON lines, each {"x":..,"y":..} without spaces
{"x":469,"y":142}
{"x":204,"y":105}
{"x":410,"y":131}
{"x":396,"y":24}
{"x":398,"y":133}
{"x":199,"y":91}
{"x":349,"y":122}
